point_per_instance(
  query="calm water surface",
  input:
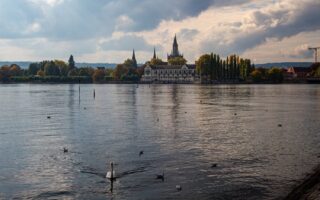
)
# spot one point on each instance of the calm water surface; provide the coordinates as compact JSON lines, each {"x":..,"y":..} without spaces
{"x":182,"y":129}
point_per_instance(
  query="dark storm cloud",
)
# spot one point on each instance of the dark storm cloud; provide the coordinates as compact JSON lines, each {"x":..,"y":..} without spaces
{"x":73,"y":19}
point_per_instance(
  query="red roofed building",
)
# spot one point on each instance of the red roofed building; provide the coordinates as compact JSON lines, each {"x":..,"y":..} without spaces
{"x":298,"y":72}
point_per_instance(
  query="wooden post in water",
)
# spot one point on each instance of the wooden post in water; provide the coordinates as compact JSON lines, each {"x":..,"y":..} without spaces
{"x":79,"y":91}
{"x":94,"y":93}
{"x":111,"y":178}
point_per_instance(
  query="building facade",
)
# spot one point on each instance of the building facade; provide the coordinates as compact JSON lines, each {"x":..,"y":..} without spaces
{"x":170,"y":73}
{"x":297,"y":72}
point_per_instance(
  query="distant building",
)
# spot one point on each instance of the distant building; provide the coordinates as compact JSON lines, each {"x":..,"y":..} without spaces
{"x":170,"y":73}
{"x":297,"y":72}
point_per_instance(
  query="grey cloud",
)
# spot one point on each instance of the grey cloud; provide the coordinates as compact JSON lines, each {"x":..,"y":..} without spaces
{"x":127,"y":43}
{"x":15,"y":17}
{"x":304,"y":19}
{"x":188,"y":34}
{"x":73,"y":19}
{"x":299,"y":52}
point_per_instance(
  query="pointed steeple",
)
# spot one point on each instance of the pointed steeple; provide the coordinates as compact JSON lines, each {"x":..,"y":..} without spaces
{"x":133,"y":55}
{"x":154,"y":53}
{"x":175,"y":43}
{"x":175,"y":47}
{"x":134,"y":59}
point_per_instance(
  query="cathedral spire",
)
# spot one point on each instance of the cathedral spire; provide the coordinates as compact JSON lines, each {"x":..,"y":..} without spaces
{"x":134,"y":59}
{"x":154,"y":53}
{"x":175,"y":43}
{"x":175,"y":49}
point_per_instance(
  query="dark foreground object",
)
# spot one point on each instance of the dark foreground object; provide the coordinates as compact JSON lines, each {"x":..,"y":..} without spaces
{"x":309,"y":189}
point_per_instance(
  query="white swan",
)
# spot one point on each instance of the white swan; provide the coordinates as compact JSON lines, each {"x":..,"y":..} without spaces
{"x":110,"y":175}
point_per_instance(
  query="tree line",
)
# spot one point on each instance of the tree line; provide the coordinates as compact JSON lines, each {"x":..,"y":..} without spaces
{"x":210,"y":67}
{"x":54,"y":71}
{"x":213,"y":68}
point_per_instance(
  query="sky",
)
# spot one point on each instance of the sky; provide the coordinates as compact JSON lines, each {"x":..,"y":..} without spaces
{"x":108,"y":30}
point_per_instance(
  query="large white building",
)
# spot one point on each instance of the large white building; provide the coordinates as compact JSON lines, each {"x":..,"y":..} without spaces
{"x":170,"y":73}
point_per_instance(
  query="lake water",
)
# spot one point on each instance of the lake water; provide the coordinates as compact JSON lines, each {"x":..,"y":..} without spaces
{"x":182,"y":129}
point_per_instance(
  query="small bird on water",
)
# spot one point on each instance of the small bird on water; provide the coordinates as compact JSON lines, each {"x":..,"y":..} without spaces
{"x":160,"y":176}
{"x":65,"y":150}
{"x":178,"y":187}
{"x":214,"y":165}
{"x":48,"y":117}
{"x":140,"y":153}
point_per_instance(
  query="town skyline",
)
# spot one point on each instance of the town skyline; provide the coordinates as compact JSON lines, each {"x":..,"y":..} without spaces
{"x":269,"y":31}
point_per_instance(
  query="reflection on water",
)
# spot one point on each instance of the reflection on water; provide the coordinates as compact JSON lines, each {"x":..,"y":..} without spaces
{"x":182,"y":129}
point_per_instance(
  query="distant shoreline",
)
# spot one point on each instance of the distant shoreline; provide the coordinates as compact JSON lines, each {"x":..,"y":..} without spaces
{"x":155,"y":83}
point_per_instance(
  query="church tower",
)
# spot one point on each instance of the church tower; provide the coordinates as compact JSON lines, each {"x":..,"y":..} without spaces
{"x":135,"y":64}
{"x":175,"y":49}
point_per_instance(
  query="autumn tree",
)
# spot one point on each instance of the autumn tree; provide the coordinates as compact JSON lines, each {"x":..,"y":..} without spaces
{"x":256,"y":76}
{"x":203,"y":65}
{"x":63,"y":67}
{"x":40,"y":73}
{"x":15,"y":70}
{"x":119,"y":71}
{"x":156,"y":61}
{"x":50,"y":69}
{"x":177,"y":61}
{"x":98,"y":75}
{"x":275,"y":75}
{"x":5,"y":73}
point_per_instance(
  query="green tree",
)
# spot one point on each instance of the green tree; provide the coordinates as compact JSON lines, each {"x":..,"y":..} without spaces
{"x":50,"y":69}
{"x":129,"y":63}
{"x":86,"y":71}
{"x":71,"y":62}
{"x":109,"y":72}
{"x":33,"y":68}
{"x":120,"y":71}
{"x":275,"y":75}
{"x":42,"y":64}
{"x":73,"y":72}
